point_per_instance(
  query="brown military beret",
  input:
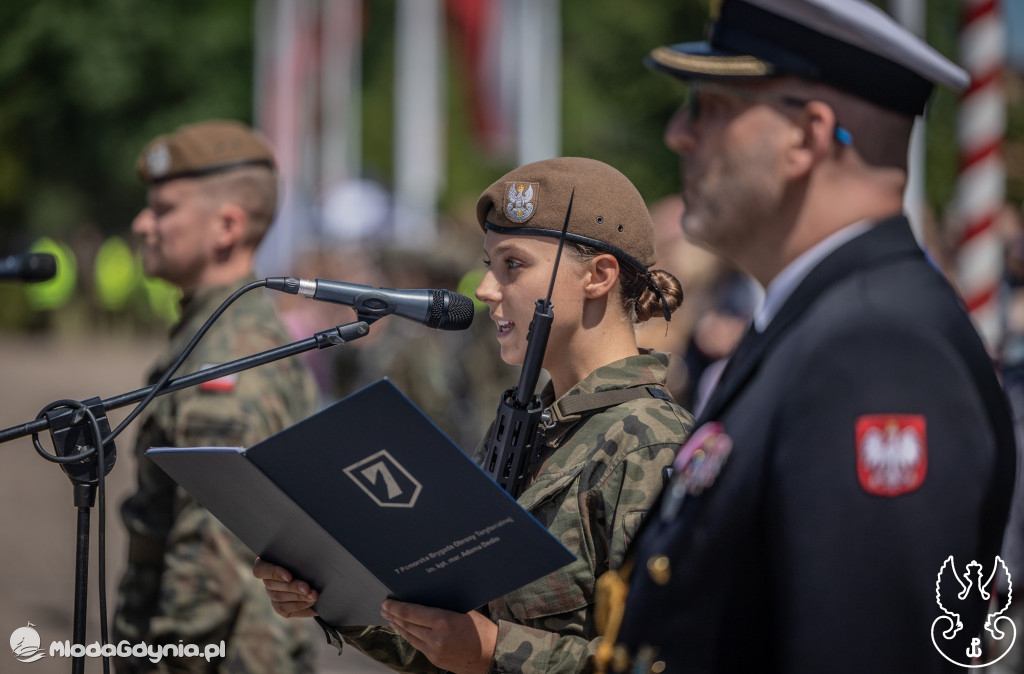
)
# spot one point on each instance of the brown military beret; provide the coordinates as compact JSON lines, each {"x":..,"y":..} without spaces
{"x":608,"y":212}
{"x":201,"y":149}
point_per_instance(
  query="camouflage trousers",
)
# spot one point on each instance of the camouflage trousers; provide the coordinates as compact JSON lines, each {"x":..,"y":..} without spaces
{"x":202,"y":593}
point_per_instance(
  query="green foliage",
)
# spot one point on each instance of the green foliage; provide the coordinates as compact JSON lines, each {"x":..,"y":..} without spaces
{"x":378,"y":88}
{"x":615,"y":109}
{"x":85,"y":85}
{"x":941,"y":152}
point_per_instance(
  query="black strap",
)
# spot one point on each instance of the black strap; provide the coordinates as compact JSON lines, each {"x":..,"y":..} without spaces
{"x":567,"y":413}
{"x":588,"y":403}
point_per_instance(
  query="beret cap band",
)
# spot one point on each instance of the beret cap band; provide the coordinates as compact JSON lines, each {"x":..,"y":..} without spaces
{"x":210,"y":170}
{"x":201,"y":149}
{"x":575,"y":238}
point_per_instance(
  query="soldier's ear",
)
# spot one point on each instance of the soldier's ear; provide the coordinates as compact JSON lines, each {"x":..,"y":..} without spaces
{"x":602,"y":273}
{"x":230,"y":222}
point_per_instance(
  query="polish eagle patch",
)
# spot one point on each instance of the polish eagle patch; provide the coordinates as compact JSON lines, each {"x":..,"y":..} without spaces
{"x":892,"y":453}
{"x":520,"y":205}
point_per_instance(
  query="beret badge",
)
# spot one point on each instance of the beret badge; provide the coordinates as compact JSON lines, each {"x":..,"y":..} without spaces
{"x":158,"y":160}
{"x":520,"y":206}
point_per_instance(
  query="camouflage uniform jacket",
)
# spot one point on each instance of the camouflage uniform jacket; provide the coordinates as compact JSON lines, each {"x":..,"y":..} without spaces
{"x":188,"y":578}
{"x":597,"y":478}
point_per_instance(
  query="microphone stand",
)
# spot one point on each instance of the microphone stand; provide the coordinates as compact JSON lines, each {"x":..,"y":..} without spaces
{"x":78,"y":427}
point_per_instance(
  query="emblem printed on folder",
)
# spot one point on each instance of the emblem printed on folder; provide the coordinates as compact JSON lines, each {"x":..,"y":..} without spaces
{"x":385,"y":480}
{"x":520,"y":202}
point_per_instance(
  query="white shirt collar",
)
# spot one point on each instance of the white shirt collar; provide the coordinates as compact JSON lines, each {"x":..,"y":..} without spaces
{"x":786,"y":281}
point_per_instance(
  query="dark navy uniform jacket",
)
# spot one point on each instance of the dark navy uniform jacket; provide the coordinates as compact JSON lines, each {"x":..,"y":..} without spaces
{"x":794,"y":561}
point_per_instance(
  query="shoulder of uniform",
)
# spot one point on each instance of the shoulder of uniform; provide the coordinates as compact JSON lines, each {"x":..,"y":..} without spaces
{"x":643,"y":426}
{"x":650,"y":420}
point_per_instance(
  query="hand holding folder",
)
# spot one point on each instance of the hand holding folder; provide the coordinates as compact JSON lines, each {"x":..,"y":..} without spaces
{"x":367,"y":500}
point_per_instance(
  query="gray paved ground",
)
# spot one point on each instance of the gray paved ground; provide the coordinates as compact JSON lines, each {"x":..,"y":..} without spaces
{"x":37,"y":515}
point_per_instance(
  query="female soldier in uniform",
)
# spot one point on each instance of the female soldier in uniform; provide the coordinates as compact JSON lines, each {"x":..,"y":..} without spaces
{"x":602,"y":464}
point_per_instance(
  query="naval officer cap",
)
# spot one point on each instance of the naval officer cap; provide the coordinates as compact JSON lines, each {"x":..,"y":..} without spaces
{"x":202,"y":149}
{"x":848,"y":44}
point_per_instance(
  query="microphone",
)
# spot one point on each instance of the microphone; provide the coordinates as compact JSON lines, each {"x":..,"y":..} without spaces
{"x":440,"y":309}
{"x":28,"y":267}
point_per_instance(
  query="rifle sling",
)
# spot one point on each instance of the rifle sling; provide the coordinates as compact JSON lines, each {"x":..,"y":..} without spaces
{"x":566,"y":413}
{"x":576,"y":406}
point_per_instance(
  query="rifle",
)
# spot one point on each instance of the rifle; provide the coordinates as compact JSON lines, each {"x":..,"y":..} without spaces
{"x":517,"y":435}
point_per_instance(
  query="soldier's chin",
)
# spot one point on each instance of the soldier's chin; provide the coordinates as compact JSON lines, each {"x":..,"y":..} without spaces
{"x":151,"y":266}
{"x":693,"y":225}
{"x":700,"y":233}
{"x":511,"y":355}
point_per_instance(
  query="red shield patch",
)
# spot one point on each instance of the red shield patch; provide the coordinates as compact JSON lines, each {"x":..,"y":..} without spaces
{"x":892,"y":453}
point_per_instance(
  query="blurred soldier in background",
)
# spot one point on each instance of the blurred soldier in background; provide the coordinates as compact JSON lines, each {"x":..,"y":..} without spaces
{"x":720,"y":300}
{"x":730,"y":301}
{"x":212,"y":195}
{"x":696,"y":268}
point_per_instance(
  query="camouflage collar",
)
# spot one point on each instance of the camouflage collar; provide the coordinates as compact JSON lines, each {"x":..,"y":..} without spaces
{"x":605,"y":387}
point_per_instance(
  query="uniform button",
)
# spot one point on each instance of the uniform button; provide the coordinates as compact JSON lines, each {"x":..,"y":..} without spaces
{"x":659,"y":569}
{"x":658,"y":667}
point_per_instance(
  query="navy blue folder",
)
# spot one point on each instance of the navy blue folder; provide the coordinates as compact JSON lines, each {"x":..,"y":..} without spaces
{"x":368,"y":499}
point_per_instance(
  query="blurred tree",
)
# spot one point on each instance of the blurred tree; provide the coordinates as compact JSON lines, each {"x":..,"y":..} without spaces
{"x":944,"y":21}
{"x":615,"y":109}
{"x":85,"y":85}
{"x":941,"y":159}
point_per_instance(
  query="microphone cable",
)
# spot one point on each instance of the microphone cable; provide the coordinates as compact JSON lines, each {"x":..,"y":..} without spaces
{"x":101,"y":462}
{"x":162,"y":382}
{"x":83,"y":411}
{"x":101,"y":442}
